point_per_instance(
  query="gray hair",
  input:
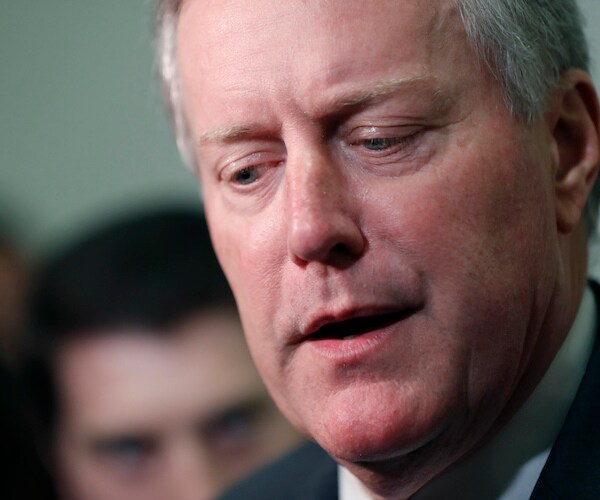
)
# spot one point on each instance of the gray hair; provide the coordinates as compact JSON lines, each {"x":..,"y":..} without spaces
{"x":165,"y":35}
{"x":526,"y":44}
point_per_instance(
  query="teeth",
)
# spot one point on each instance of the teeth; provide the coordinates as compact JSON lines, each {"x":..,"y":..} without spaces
{"x":349,"y":337}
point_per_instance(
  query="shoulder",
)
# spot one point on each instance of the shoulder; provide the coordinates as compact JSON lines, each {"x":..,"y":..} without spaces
{"x":307,"y":473}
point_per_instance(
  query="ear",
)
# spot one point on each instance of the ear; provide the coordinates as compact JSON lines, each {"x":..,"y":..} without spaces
{"x":575,"y":131}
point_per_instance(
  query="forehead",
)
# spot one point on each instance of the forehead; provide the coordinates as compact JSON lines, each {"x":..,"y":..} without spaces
{"x":351,"y":21}
{"x":132,"y":379}
{"x":247,"y":50}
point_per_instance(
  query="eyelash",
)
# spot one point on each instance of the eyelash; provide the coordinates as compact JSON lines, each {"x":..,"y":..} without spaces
{"x":236,"y":178}
{"x":396,"y":144}
{"x":130,"y":452}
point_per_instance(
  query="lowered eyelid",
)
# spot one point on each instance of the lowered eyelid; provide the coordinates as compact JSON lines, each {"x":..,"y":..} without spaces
{"x":112,"y":444}
{"x":361,"y":133}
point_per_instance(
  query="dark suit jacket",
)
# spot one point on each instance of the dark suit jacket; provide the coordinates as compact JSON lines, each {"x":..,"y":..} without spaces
{"x":572,"y":471}
{"x":307,"y":474}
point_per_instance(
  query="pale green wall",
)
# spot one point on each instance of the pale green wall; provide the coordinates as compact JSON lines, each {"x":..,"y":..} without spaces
{"x":82,"y":130}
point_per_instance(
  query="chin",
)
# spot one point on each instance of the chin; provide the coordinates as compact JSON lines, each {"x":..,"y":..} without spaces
{"x":375,"y":426}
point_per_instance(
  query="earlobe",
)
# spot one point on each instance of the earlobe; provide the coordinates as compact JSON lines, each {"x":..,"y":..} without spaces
{"x":576,"y":138}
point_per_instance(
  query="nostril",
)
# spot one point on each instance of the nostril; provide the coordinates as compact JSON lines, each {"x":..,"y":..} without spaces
{"x":341,"y":249}
{"x":336,"y":241}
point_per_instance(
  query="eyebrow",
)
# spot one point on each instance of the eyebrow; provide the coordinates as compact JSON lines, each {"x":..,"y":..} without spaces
{"x":374,"y":94}
{"x":381,"y":91}
{"x":235,"y":133}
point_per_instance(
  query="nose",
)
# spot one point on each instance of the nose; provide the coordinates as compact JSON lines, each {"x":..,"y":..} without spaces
{"x":322,"y":218}
{"x":192,"y":476}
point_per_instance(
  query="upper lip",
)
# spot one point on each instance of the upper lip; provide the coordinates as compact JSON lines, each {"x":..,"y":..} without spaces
{"x":352,"y":322}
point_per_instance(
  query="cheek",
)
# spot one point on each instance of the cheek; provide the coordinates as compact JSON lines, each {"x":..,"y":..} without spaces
{"x":250,"y":252}
{"x":476,"y":210}
{"x":478,"y":230}
{"x":254,"y":260}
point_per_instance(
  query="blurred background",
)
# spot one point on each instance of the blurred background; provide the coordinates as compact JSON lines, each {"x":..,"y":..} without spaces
{"x":83,"y":133}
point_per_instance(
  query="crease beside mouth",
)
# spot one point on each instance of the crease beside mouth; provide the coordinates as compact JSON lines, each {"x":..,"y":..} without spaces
{"x":353,"y":327}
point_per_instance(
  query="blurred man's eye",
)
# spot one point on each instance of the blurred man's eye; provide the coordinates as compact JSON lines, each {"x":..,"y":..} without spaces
{"x":127,"y":451}
{"x":233,"y":429}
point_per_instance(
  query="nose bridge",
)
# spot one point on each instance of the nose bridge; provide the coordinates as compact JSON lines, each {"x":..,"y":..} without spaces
{"x":312,"y":186}
{"x":192,"y":477}
{"x":318,"y":207}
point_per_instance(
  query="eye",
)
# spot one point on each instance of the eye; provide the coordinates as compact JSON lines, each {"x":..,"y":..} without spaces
{"x":245,"y":176}
{"x":233,"y":425}
{"x":250,"y":170}
{"x":380,"y":143}
{"x":127,"y":451}
{"x":385,"y":143}
{"x":234,"y":431}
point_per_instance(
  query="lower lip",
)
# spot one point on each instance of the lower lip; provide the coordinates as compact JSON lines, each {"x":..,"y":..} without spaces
{"x":353,"y":350}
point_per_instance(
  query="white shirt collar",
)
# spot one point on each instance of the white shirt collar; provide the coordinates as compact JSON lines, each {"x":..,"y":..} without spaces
{"x":508,"y":467}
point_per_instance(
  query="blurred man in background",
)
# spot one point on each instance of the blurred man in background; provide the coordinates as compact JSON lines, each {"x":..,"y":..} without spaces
{"x":13,"y":286}
{"x":23,"y":474}
{"x":139,"y":371}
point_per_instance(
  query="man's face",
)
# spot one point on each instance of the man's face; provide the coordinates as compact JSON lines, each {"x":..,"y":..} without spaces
{"x":386,"y":225}
{"x":178,"y":417}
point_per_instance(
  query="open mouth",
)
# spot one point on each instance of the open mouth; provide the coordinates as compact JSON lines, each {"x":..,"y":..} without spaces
{"x":354,"y":327}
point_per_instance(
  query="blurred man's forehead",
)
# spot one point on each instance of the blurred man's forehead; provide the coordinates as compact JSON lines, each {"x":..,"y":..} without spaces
{"x":120,"y":380}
